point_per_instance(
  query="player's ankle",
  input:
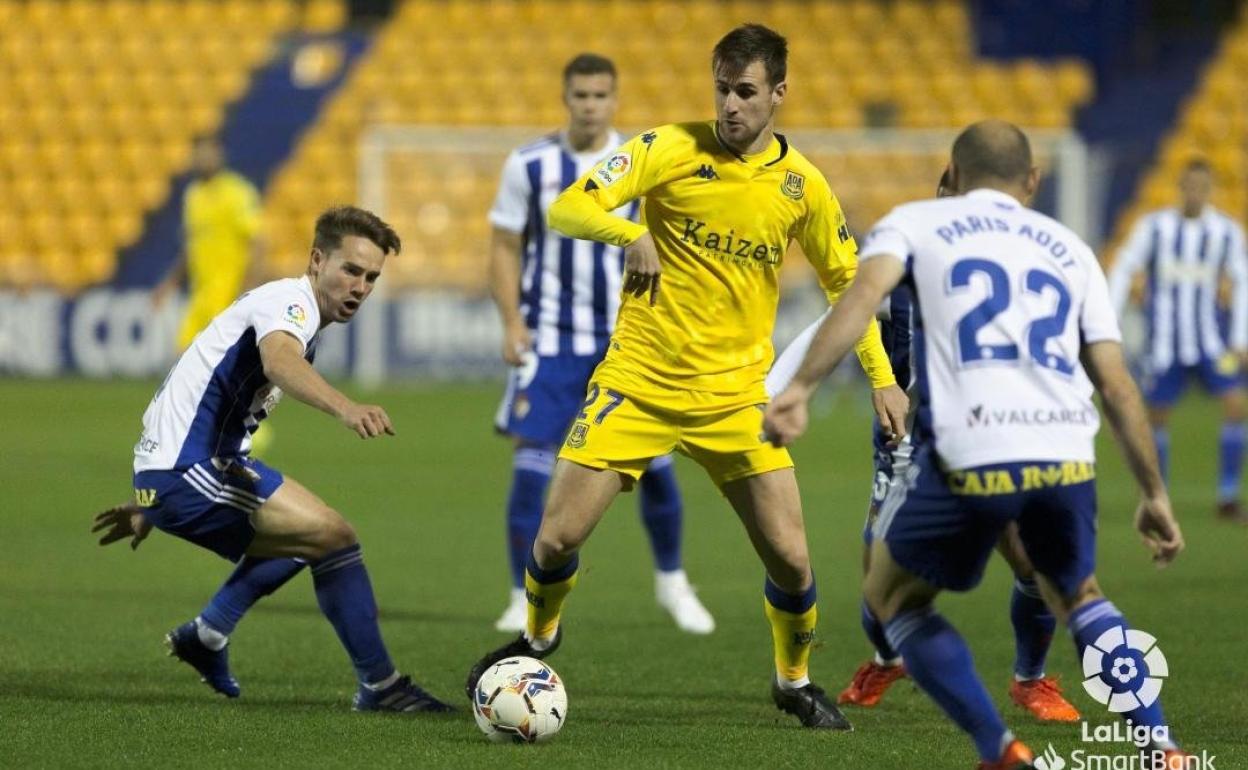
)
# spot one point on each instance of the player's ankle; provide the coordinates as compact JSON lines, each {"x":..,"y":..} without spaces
{"x":209,"y":636}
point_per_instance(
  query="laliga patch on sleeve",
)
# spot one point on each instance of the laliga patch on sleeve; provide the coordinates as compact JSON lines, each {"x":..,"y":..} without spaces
{"x":615,"y":167}
{"x":296,"y":315}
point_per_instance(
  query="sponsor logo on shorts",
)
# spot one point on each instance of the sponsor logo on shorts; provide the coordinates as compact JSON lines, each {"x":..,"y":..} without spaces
{"x":576,"y":437}
{"x":1006,"y":481}
{"x":146,"y":498}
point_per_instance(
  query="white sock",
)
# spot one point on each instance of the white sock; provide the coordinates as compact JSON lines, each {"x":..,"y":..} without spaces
{"x":887,"y":662}
{"x":792,"y":684}
{"x":384,"y":683}
{"x":209,"y":636}
{"x":517,"y":595}
{"x":1018,"y":678}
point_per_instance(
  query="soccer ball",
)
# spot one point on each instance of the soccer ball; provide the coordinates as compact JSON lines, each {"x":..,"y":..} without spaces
{"x":520,"y":700}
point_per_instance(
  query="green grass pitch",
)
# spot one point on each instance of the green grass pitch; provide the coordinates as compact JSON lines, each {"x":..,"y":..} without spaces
{"x":84,"y":680}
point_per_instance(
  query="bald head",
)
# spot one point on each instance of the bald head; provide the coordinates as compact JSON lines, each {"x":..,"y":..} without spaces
{"x":991,"y":153}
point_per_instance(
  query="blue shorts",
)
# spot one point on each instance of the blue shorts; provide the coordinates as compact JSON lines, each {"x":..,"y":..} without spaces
{"x":943,"y":525}
{"x":1163,"y":388}
{"x":210,"y":503}
{"x":543,"y":397}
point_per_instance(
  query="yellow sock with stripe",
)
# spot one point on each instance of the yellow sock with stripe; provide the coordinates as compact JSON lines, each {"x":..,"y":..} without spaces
{"x":792,"y":619}
{"x":546,"y":591}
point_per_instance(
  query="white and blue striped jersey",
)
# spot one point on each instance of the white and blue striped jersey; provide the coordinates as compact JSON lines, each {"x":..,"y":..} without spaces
{"x":216,"y":394}
{"x":1003,"y":299}
{"x":1185,"y":259}
{"x":569,"y":289}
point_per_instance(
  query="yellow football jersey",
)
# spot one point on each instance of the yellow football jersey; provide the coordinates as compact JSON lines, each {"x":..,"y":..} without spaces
{"x":721,"y":223}
{"x":221,"y":216}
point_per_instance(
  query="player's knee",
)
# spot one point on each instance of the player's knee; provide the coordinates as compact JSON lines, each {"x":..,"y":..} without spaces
{"x":334,"y":534}
{"x":557,"y":546}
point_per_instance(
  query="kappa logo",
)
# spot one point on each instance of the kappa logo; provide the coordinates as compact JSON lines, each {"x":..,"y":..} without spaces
{"x":648,"y":138}
{"x":793,"y":186}
{"x":705,"y":171}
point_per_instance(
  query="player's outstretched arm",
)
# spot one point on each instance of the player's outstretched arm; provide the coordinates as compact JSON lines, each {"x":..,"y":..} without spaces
{"x":1124,"y":407}
{"x":121,"y":522}
{"x":785,"y":418}
{"x":284,"y":365}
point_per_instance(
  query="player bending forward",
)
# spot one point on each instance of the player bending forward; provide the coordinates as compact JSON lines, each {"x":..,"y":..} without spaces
{"x":1007,"y":303}
{"x":193,"y":477}
{"x":685,"y":366}
{"x":1031,"y":618}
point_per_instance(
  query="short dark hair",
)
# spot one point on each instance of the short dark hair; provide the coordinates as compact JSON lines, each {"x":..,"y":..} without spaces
{"x":333,"y":224}
{"x":589,"y":64}
{"x":991,"y":149}
{"x":945,"y":182}
{"x":1198,"y":163}
{"x":749,"y":43}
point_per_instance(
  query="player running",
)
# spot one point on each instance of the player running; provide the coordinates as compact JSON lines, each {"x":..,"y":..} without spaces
{"x":1008,"y":302}
{"x":193,"y":477}
{"x":685,"y":367}
{"x":1186,"y":251}
{"x":558,"y":298}
{"x":1031,"y":618}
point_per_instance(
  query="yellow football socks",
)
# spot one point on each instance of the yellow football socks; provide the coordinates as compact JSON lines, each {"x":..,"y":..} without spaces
{"x":792,"y":619}
{"x":546,"y":590}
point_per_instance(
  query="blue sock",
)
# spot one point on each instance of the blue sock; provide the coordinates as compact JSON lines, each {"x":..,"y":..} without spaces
{"x":1033,"y":629}
{"x":939,"y":661}
{"x":1087,"y":625}
{"x":661,"y":512}
{"x":531,"y":469}
{"x":346,"y":597}
{"x":253,"y":578}
{"x":1161,"y":437}
{"x":1230,"y":460}
{"x":875,"y":632}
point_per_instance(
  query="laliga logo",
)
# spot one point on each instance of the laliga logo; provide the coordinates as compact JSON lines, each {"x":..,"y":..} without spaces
{"x":1050,"y":760}
{"x":1124,"y":670}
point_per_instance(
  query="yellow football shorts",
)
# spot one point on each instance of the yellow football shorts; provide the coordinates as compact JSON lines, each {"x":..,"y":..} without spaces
{"x":624,"y":429}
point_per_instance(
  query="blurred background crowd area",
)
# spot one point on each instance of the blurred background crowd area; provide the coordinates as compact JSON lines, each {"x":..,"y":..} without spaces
{"x":101,"y":102}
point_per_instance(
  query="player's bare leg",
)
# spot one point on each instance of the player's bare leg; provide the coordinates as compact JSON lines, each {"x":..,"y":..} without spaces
{"x":1033,"y":623}
{"x":578,"y":498}
{"x":1231,"y":440}
{"x":294,"y":522}
{"x":770,"y":507}
{"x":937,"y":658}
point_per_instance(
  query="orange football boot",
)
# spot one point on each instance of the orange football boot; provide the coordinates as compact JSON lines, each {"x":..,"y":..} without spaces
{"x":869,"y":684}
{"x":1043,"y":698}
{"x":1016,"y":757}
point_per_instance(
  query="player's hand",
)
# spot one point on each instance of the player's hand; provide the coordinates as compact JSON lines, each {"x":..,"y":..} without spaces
{"x":121,"y":522}
{"x":641,"y":268}
{"x":516,"y":342}
{"x":786,"y":417}
{"x":367,"y":420}
{"x":892,"y":405}
{"x":1158,"y":529}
